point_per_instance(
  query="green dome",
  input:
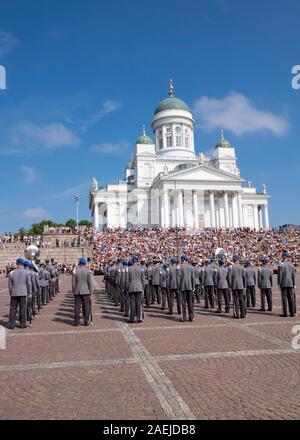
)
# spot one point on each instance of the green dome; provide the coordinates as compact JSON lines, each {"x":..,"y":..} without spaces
{"x":144,"y":139}
{"x":129,"y":165}
{"x":223,"y":143}
{"x":172,"y":103}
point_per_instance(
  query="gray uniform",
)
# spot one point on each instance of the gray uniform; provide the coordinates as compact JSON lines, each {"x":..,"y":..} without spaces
{"x":173,"y":291}
{"x":208,"y":274}
{"x":238,"y":285}
{"x":155,"y":284}
{"x":186,"y":287}
{"x":164,"y":284}
{"x":19,"y":286}
{"x":198,"y":283}
{"x":222,"y":283}
{"x":136,"y":285}
{"x":82,"y":288}
{"x":265,"y":283}
{"x":250,"y":275}
{"x":286,"y":281}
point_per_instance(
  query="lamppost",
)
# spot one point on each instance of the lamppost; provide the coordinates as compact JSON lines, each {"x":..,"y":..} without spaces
{"x":77,"y":199}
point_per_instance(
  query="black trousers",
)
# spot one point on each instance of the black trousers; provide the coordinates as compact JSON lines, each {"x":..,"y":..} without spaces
{"x":288,"y":299}
{"x":187,"y":298}
{"x":147,"y":296}
{"x":239,"y":306}
{"x":155,"y":290}
{"x":209,"y":296}
{"x":266,"y":293}
{"x":45,"y":294}
{"x":85,"y":300}
{"x":164,"y":294}
{"x":223,"y":293}
{"x":135,"y":306}
{"x":198,"y":292}
{"x":126,"y":303}
{"x":16,"y":301}
{"x":251,"y":296}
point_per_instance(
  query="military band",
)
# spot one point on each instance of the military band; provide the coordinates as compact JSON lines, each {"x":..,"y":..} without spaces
{"x":133,"y":284}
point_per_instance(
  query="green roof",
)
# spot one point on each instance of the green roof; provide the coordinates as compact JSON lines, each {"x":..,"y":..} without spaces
{"x":223,"y":143}
{"x":144,"y":139}
{"x":171,"y":103}
{"x":130,"y":165}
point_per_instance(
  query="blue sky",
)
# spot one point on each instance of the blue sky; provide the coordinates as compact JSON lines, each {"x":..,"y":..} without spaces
{"x":83,"y":77}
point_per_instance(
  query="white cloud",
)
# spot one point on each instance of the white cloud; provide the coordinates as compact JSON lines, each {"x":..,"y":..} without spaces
{"x":34,"y":213}
{"x":107,"y":107}
{"x":7,"y":42}
{"x":30,"y":173}
{"x":44,"y":137}
{"x":236,"y":113}
{"x":114,"y":149}
{"x":69,"y":192}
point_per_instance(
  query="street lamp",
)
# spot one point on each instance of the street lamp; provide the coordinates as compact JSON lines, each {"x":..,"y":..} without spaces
{"x":77,"y":199}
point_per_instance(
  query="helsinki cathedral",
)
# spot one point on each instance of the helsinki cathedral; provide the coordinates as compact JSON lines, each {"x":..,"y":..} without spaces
{"x":167,"y":184}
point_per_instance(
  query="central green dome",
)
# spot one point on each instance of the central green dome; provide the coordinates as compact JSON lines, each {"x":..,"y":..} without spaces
{"x":171,"y":103}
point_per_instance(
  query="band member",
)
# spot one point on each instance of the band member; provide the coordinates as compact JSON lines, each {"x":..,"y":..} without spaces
{"x":286,"y":282}
{"x":155,"y":282}
{"x":265,"y":284}
{"x":173,"y":291}
{"x":238,"y":285}
{"x":198,"y":281}
{"x":82,"y":288}
{"x":208,"y":273}
{"x":186,"y":287}
{"x":147,"y":285}
{"x":164,"y":283}
{"x":44,"y":278}
{"x":250,"y":275}
{"x":19,"y":286}
{"x":136,"y":285}
{"x":222,"y":283}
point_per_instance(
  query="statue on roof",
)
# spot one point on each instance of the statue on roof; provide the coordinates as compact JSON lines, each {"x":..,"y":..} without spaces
{"x":95,"y":184}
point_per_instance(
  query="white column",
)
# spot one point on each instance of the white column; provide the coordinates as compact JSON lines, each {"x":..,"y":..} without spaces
{"x":212,"y":209}
{"x":195,"y":209}
{"x":235,"y":211}
{"x":240,"y":211}
{"x":266,"y":217}
{"x":260,"y":217}
{"x":180,"y":208}
{"x":161,"y":208}
{"x":226,"y":209}
{"x":96,"y":216}
{"x":166,"y":209}
{"x":255,"y":217}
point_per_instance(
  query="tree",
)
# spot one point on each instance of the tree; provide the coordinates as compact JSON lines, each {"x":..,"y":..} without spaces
{"x":71,"y":223}
{"x":86,"y":223}
{"x":22,"y":231}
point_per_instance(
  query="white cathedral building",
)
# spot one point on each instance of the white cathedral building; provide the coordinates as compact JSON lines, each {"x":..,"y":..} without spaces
{"x":166,"y":184}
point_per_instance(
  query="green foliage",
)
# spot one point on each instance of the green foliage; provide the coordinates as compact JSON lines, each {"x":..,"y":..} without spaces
{"x":71,"y":223}
{"x":86,"y":223}
{"x":38,"y":228}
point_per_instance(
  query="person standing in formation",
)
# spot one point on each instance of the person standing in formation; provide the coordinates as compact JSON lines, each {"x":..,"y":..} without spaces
{"x":187,"y":288}
{"x":136,"y":286}
{"x":287,"y":283}
{"x":164,"y":284}
{"x":250,"y":276}
{"x":208,"y":284}
{"x":173,"y":291}
{"x":222,"y":283}
{"x":19,"y":286}
{"x":265,"y":284}
{"x":238,"y":285}
{"x":82,"y":288}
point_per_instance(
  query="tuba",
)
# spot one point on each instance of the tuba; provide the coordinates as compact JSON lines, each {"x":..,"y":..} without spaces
{"x":31,"y":253}
{"x":220,"y":253}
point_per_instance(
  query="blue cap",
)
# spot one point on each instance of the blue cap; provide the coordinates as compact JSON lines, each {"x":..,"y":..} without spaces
{"x":26,"y":263}
{"x":174,"y":260}
{"x":129,"y":263}
{"x":207,"y":261}
{"x":20,"y":261}
{"x":248,"y":263}
{"x":265,"y":260}
{"x":221,"y":262}
{"x":135,"y":258}
{"x":31,"y":266}
{"x":125,"y":262}
{"x":285,"y":254}
{"x":82,"y":261}
{"x":184,"y":257}
{"x":165,"y":265}
{"x":235,"y":257}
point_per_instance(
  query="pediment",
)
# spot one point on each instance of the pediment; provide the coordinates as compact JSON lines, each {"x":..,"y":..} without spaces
{"x":202,"y":173}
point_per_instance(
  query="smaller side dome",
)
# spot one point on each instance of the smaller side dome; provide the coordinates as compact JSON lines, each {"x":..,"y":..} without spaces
{"x":223,"y":143}
{"x":144,"y":139}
